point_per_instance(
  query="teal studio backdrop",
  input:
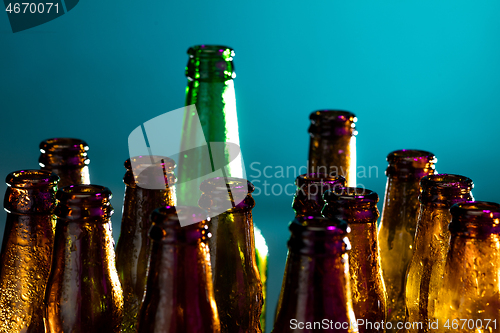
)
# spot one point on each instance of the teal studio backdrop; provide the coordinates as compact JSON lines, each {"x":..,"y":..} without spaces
{"x":418,"y":74}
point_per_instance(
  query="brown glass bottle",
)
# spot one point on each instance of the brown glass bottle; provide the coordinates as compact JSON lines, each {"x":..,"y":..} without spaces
{"x":358,"y":207}
{"x":439,"y":193}
{"x":398,"y":223}
{"x":316,"y":292}
{"x":26,"y":249}
{"x":179,"y":297}
{"x":83,"y":293}
{"x":134,"y":246}
{"x":332,"y":147}
{"x":67,"y":158}
{"x":237,"y":284}
{"x":308,"y":200}
{"x":468,"y":299}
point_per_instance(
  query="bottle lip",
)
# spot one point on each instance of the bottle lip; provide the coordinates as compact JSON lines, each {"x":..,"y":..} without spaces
{"x":31,"y":178}
{"x":351,"y":195}
{"x":313,"y":235}
{"x":85,"y":194}
{"x":166,"y":224}
{"x":143,"y":161}
{"x":55,"y":145}
{"x":217,"y":184}
{"x":322,"y":178}
{"x":211,"y":51}
{"x":445,"y":188}
{"x":332,"y":115}
{"x":475,"y":218}
{"x":411,"y":156}
{"x":410,"y":164}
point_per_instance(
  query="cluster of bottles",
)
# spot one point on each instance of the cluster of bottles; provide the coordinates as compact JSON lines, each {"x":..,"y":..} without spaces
{"x":432,"y":265}
{"x":434,"y":258}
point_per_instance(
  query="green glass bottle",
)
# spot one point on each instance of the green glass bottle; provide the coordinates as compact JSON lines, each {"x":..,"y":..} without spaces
{"x":211,"y":119}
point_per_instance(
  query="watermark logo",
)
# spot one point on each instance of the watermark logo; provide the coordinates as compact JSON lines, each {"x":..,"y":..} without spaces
{"x":26,"y":15}
{"x":179,"y":135}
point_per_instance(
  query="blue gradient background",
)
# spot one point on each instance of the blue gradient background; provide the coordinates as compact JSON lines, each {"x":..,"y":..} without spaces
{"x":418,"y":74}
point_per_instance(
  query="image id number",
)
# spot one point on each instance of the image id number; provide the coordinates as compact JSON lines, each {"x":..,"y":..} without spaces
{"x":26,"y":7}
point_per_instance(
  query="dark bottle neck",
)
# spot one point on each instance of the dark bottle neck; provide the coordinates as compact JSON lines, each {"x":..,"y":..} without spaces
{"x":67,"y":158}
{"x":475,"y":219}
{"x":445,"y":190}
{"x":31,"y":192}
{"x":315,"y":274}
{"x":354,"y":205}
{"x":210,"y":63}
{"x":179,"y":274}
{"x":308,"y":200}
{"x":408,"y":164}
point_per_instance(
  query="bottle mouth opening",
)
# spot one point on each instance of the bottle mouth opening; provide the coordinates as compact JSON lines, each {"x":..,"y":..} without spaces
{"x":319,"y":178}
{"x":446,"y":181}
{"x":333,"y":115}
{"x":84,"y":194}
{"x":179,"y":223}
{"x":351,"y":194}
{"x":66,"y":144}
{"x":411,"y":155}
{"x":31,"y":178}
{"x":477,"y":209}
{"x":211,"y":51}
{"x":226,"y":183}
{"x":140,"y":163}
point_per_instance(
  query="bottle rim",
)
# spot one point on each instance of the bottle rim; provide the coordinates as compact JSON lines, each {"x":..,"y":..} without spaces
{"x":349,"y":195}
{"x":333,"y":115}
{"x":446,"y":189}
{"x":319,"y":178}
{"x":31,"y":178}
{"x":166,"y":224}
{"x":475,"y":218}
{"x":56,"y":145}
{"x":205,"y":50}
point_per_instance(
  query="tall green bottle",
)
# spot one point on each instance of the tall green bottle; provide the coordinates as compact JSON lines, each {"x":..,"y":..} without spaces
{"x":210,"y":139}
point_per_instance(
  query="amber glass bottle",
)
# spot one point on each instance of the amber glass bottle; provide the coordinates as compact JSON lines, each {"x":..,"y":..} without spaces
{"x":308,"y":200}
{"x":398,"y":223}
{"x":179,"y":296}
{"x":26,"y":249}
{"x":237,"y":284}
{"x":134,"y":246}
{"x":83,"y":293}
{"x":210,"y":73}
{"x":332,"y":147}
{"x":67,"y":158}
{"x":358,"y":207}
{"x":316,"y":292}
{"x":439,"y":193}
{"x":468,"y":299}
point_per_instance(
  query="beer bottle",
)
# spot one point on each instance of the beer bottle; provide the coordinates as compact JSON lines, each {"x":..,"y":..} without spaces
{"x":316,"y":291}
{"x":67,"y":158}
{"x":332,"y":147}
{"x":398,"y":223}
{"x":468,"y":299}
{"x":26,"y":249}
{"x":439,"y":193}
{"x":210,"y":73}
{"x":133,"y":248}
{"x":358,"y":207}
{"x":179,"y":296}
{"x":237,"y":284}
{"x":308,"y":200}
{"x":83,"y":293}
